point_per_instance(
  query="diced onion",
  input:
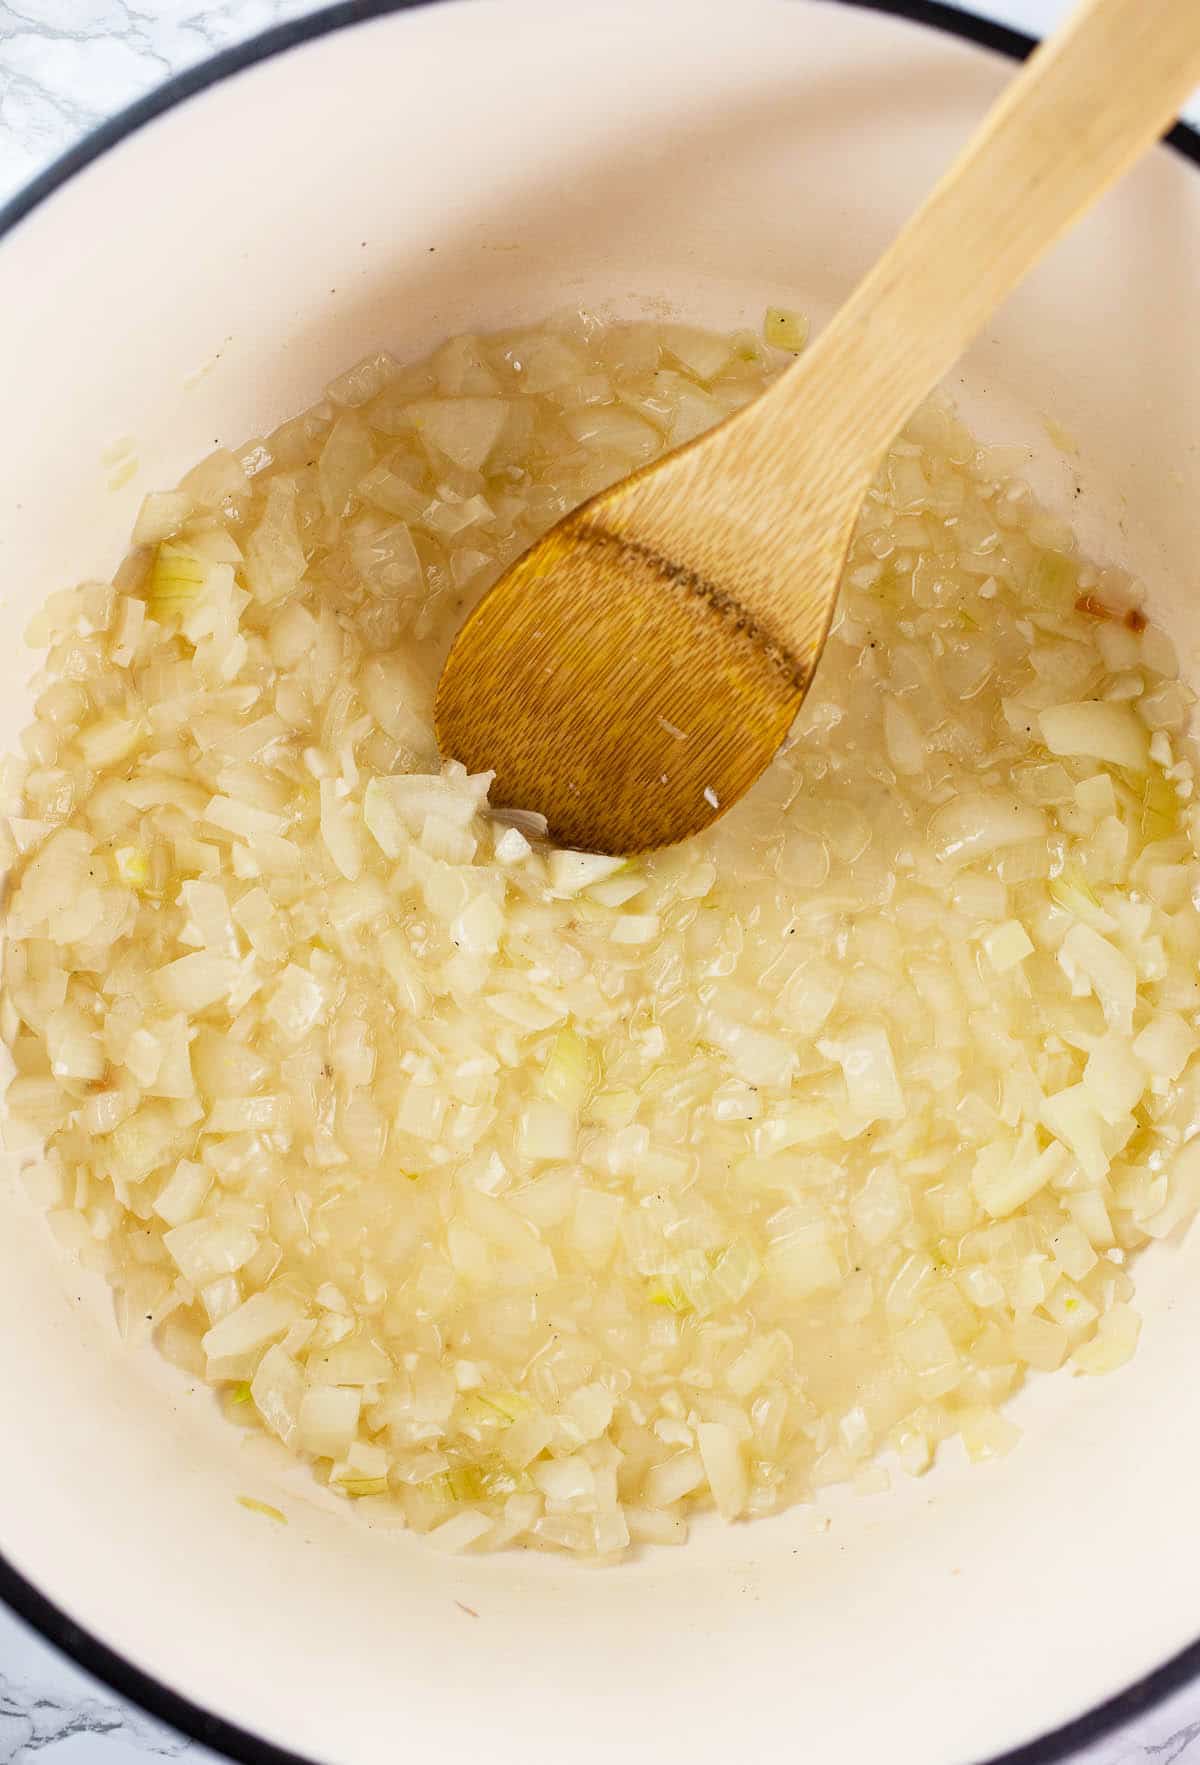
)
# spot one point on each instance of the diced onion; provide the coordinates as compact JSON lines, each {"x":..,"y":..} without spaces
{"x":550,"y":1198}
{"x":785,"y":329}
{"x":1100,"y":730}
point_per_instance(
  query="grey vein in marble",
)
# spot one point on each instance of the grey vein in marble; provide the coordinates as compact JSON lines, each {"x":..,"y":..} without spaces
{"x":33,"y":1719}
{"x":65,"y":65}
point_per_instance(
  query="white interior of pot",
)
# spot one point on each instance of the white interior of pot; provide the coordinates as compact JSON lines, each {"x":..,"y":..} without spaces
{"x":469,"y":165}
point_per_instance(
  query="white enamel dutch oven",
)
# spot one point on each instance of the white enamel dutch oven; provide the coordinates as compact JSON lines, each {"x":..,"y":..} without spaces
{"x":385,"y":175}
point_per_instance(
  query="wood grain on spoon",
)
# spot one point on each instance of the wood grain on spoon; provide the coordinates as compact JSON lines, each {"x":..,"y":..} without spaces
{"x":633,"y":673}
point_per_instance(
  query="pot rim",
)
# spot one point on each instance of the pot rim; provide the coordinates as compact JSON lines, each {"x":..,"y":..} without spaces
{"x":16,"y":1592}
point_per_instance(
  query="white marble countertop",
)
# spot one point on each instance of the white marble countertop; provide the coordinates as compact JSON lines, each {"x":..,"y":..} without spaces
{"x":64,"y":66}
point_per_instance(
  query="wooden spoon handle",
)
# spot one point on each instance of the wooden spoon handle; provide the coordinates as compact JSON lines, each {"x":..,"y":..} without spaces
{"x":780,"y":483}
{"x":1085,"y":105}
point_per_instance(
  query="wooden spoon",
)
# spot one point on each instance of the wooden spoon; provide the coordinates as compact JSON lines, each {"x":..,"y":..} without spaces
{"x":633,"y":673}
